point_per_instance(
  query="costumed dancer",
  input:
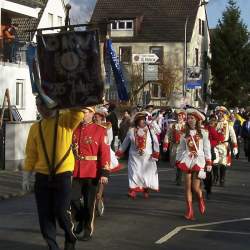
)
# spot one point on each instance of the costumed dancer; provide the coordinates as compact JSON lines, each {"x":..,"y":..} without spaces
{"x":215,"y":139}
{"x":154,"y":123}
{"x":143,"y":154}
{"x":193,"y":157}
{"x":92,"y":166}
{"x":172,"y":140}
{"x":99,"y":118}
{"x":225,"y":159}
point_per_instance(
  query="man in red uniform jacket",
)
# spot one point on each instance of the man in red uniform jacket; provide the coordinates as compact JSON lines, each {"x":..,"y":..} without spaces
{"x":92,"y":161}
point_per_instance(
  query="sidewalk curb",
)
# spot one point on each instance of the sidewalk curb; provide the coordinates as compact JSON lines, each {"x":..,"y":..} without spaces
{"x":12,"y":195}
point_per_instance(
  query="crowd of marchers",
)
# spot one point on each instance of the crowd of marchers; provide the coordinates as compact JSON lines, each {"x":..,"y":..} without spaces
{"x":72,"y":154}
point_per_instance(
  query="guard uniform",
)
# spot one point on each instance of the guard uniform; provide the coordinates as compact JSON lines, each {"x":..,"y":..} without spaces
{"x":92,"y":161}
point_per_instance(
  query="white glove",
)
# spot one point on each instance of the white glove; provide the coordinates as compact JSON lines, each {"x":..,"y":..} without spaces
{"x":202,"y":174}
{"x":209,"y":168}
{"x":26,"y":181}
{"x":235,"y":151}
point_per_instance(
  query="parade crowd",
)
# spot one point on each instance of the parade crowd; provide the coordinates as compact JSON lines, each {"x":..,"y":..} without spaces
{"x":72,"y":154}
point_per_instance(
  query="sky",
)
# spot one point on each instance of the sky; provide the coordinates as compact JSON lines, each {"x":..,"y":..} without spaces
{"x":82,"y":10}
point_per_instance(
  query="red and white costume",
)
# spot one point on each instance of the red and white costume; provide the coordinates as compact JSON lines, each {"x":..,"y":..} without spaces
{"x":194,"y":152}
{"x":228,"y":133}
{"x":173,"y":136}
{"x":114,"y":163}
{"x":143,"y":154}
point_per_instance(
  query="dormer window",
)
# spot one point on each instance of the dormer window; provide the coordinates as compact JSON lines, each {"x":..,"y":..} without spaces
{"x":122,"y":25}
{"x":122,"y":28}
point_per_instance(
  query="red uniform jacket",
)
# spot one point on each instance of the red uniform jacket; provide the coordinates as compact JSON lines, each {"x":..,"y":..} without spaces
{"x":214,"y":137}
{"x":92,"y":153}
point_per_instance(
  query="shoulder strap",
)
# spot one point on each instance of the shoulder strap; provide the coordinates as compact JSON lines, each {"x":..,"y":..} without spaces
{"x":195,"y":145}
{"x":63,"y":159}
{"x":44,"y":146}
{"x":50,"y":164}
{"x":52,"y":167}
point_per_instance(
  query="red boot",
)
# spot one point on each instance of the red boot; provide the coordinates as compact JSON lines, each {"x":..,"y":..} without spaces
{"x":190,"y":212}
{"x":146,"y":194}
{"x":202,"y":206}
{"x":132,"y":194}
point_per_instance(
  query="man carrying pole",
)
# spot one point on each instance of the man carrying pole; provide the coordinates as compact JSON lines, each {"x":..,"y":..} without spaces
{"x":49,"y":155}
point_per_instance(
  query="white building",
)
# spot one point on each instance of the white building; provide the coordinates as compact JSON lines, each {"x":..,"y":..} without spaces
{"x":29,"y":15}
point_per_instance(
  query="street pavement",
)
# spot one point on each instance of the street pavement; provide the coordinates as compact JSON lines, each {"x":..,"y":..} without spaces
{"x":146,"y":224}
{"x":10,"y":184}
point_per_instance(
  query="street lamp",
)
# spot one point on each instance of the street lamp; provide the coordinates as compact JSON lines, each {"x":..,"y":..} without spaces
{"x":203,"y":2}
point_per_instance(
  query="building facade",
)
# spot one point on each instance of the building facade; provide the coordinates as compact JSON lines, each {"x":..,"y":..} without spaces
{"x":176,"y":31}
{"x":29,"y":15}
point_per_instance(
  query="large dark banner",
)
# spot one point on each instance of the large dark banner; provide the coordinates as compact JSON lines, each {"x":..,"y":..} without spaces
{"x":70,"y":68}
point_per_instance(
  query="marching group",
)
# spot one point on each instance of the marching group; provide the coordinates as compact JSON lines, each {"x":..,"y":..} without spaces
{"x":73,"y":153}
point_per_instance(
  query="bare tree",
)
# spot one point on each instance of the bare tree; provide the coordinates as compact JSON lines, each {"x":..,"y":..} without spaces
{"x":167,"y":79}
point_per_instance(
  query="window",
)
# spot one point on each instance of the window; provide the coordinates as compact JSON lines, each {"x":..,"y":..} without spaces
{"x":200,"y":26}
{"x":114,"y":26}
{"x":203,"y":28}
{"x":155,"y":90}
{"x":159,"y":52}
{"x":20,"y":93}
{"x":163,"y":93}
{"x":50,"y":20}
{"x":196,"y":57}
{"x":59,"y":21}
{"x":125,"y":54}
{"x":129,"y":25}
{"x":122,"y":25}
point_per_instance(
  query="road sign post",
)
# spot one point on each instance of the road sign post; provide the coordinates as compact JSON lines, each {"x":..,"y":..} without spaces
{"x":145,"y":58}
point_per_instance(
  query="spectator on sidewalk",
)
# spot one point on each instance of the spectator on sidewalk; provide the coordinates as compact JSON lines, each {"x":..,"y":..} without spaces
{"x":10,"y":39}
{"x":124,"y":125}
{"x":245,"y":134}
{"x":112,"y":118}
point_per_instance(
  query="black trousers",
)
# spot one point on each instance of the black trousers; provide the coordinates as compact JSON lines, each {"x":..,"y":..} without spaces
{"x":86,"y":189}
{"x":208,"y":182}
{"x":247,"y":148}
{"x":53,"y":204}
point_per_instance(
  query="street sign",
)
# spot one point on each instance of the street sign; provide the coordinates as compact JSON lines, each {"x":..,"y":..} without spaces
{"x":194,"y":84}
{"x":150,"y":72}
{"x":194,"y":73}
{"x":144,"y":58}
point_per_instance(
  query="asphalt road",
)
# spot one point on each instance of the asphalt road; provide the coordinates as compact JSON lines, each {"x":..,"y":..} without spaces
{"x":146,"y":224}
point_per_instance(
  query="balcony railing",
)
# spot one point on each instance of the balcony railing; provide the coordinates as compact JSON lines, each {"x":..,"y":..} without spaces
{"x":13,"y":53}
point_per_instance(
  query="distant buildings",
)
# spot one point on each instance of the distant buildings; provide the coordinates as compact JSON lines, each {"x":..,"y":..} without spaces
{"x":175,"y":30}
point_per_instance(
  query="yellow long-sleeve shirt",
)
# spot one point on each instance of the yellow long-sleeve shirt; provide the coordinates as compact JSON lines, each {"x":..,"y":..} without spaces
{"x":35,"y":158}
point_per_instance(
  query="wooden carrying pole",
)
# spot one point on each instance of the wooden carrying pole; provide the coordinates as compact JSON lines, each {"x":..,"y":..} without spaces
{"x":6,"y":98}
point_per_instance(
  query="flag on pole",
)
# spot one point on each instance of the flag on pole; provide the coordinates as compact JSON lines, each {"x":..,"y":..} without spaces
{"x":117,"y":70}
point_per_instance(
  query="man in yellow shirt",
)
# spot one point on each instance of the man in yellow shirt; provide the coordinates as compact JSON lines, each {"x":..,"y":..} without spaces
{"x":49,"y":155}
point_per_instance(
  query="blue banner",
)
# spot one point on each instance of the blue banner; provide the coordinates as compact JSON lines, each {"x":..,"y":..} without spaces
{"x":30,"y":56}
{"x":117,"y":71}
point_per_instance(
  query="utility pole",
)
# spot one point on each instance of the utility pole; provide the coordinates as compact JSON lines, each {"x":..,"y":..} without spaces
{"x":185,"y":59}
{"x":143,"y":79}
